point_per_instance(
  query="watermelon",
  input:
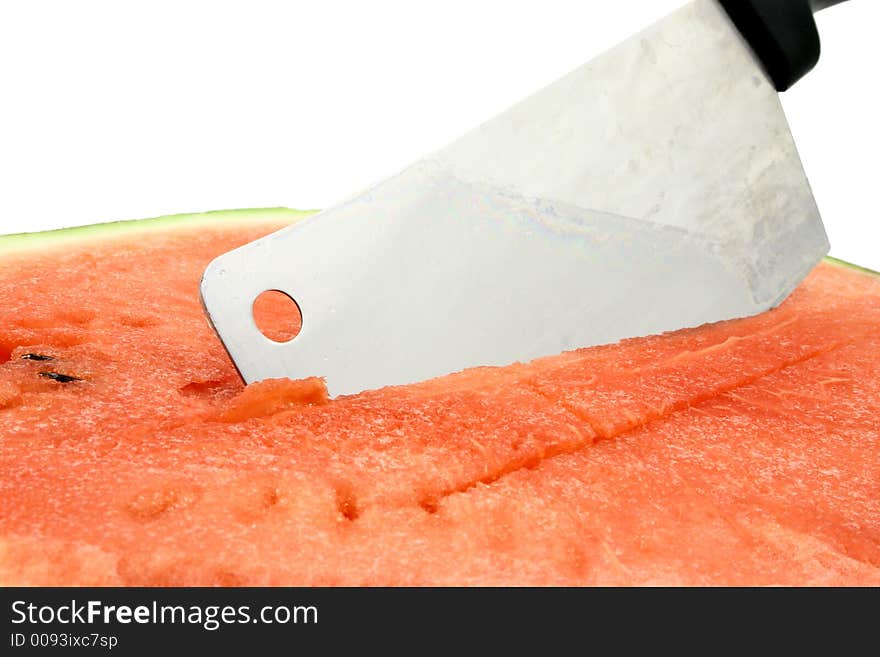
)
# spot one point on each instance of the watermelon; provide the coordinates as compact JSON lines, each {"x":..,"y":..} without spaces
{"x":740,"y":453}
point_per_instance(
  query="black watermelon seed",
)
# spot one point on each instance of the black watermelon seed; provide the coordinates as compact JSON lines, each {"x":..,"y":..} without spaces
{"x":60,"y":378}
{"x":40,"y":357}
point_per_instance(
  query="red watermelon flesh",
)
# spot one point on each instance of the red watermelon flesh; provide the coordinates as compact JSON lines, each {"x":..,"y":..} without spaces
{"x":741,"y":453}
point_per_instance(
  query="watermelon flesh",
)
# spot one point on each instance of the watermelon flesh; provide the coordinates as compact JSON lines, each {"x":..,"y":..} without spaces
{"x":739,"y":453}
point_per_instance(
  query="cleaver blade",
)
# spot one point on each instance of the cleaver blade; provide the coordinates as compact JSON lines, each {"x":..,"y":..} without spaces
{"x":655,"y":188}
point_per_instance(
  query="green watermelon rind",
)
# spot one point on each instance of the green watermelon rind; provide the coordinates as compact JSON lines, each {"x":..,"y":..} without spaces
{"x":849,"y":265}
{"x":22,"y":242}
{"x":19,"y":242}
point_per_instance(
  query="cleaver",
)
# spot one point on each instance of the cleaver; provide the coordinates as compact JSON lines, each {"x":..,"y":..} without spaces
{"x":655,"y":188}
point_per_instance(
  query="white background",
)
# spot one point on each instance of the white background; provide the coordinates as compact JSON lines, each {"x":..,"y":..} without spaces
{"x":112,"y":109}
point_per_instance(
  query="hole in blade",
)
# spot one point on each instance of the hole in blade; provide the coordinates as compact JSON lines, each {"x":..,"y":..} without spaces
{"x":277,"y":316}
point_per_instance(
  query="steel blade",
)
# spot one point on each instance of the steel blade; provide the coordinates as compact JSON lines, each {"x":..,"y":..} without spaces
{"x":655,"y":188}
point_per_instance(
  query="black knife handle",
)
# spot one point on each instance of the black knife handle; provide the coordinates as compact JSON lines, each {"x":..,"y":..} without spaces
{"x":782,"y":33}
{"x":818,"y":5}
